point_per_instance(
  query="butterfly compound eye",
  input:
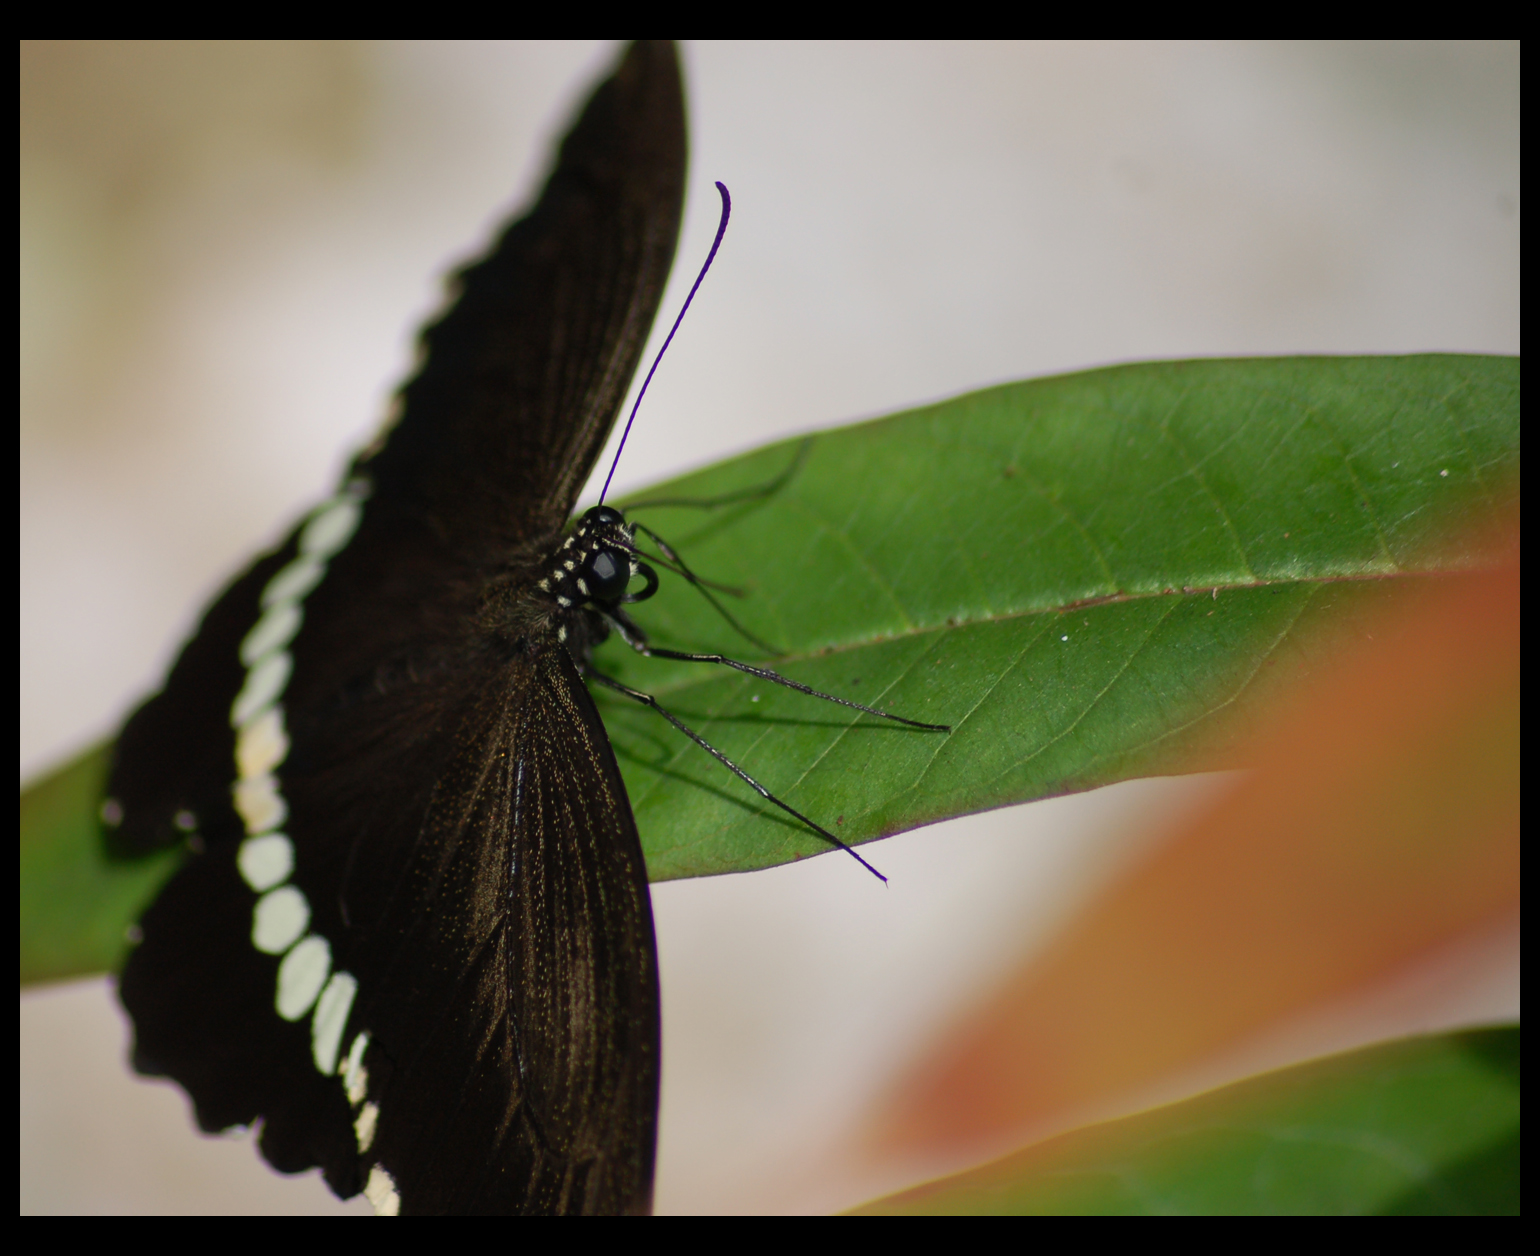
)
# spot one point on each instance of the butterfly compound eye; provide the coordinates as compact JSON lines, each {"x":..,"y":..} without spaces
{"x":607,"y":573}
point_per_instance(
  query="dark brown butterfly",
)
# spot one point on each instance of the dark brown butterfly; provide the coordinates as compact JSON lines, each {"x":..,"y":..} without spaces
{"x":412,"y":937}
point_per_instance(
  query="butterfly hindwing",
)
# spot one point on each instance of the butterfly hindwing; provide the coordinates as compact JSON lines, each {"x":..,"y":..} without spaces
{"x":411,"y":940}
{"x":193,"y":981}
{"x":173,"y":757}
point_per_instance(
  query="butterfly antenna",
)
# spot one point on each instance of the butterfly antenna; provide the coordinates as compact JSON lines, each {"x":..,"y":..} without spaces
{"x":727,"y":209}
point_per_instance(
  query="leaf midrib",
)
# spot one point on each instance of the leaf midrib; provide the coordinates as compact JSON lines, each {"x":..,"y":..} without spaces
{"x":1080,"y":604}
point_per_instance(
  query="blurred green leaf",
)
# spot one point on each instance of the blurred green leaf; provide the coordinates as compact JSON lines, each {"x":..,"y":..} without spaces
{"x":76,"y":905}
{"x":1423,"y":1126}
{"x":1092,"y":577}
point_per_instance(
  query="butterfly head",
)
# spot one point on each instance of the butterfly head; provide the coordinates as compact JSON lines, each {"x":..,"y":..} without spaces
{"x":596,"y":563}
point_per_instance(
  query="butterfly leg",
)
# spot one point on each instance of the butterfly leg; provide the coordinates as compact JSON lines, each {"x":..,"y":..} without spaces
{"x":753,"y":493}
{"x":646,"y":699}
{"x":674,"y":563}
{"x":634,"y":637}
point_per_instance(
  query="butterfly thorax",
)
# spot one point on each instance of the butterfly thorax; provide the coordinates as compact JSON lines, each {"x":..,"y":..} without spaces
{"x":565,"y":597}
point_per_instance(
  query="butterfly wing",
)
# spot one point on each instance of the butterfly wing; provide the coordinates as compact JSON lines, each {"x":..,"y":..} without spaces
{"x":464,"y":901}
{"x":523,"y":970}
{"x":524,"y":374}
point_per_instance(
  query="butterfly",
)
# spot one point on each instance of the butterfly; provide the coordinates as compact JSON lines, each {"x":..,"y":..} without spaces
{"x":412,"y":938}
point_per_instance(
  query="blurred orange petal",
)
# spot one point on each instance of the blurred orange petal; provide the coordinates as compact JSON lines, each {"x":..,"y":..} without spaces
{"x":1382,"y":822}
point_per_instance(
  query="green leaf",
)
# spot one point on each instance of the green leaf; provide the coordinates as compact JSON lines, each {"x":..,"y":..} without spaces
{"x":77,"y":905}
{"x":1422,"y":1126}
{"x":1091,"y":578}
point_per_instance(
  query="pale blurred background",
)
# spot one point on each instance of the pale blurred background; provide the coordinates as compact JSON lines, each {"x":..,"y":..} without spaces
{"x":226,"y":250}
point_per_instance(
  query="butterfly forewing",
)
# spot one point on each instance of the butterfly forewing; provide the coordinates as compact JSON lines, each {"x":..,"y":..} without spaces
{"x":411,"y":940}
{"x":525,"y":372}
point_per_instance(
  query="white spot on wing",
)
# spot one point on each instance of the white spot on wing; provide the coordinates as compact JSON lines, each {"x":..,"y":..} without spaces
{"x":279,"y":920}
{"x":273,"y":631}
{"x":355,"y":1077}
{"x":261,"y":745}
{"x":302,"y":974}
{"x":266,"y":861}
{"x":331,"y":1018}
{"x":282,"y":915}
{"x":364,"y":1124}
{"x":260,"y":804}
{"x":331,"y":528}
{"x":264,"y":684}
{"x":294,"y":581}
{"x":380,"y":1191}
